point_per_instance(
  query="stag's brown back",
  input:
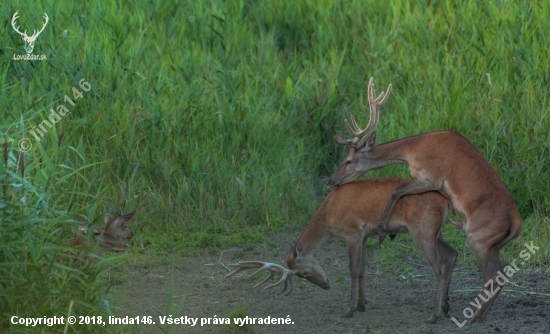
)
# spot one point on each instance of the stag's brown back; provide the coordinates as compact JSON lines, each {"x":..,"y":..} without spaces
{"x":351,"y":213}
{"x":446,"y":162}
{"x":359,"y":205}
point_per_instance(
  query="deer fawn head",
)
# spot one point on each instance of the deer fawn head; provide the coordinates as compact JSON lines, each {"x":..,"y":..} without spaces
{"x":360,"y":158}
{"x":117,"y":226}
{"x":305,"y":266}
{"x":104,"y":241}
{"x":29,"y":40}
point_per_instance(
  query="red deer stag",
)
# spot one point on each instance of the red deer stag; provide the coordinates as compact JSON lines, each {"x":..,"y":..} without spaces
{"x":351,"y":214}
{"x":446,"y":162}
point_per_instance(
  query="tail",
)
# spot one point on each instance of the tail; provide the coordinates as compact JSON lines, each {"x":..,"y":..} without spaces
{"x":516,"y":226}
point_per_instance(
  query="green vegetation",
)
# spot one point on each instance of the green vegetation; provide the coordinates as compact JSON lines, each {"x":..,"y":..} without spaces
{"x":236,"y":326}
{"x":215,"y":119}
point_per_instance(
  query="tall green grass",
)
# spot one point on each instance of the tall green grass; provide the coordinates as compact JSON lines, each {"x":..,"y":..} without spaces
{"x":215,"y":119}
{"x":40,"y":274}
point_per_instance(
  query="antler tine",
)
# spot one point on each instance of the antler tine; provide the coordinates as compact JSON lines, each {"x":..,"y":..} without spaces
{"x":375,"y":104}
{"x":271,"y":273}
{"x":356,"y":129}
{"x":340,"y":141}
{"x":243,"y":266}
{"x":286,"y":279}
{"x":271,"y":267}
{"x":384,"y":96}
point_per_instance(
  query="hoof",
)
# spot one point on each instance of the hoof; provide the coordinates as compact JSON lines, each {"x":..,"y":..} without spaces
{"x":478,"y":316}
{"x":348,"y":315}
{"x":432,"y":319}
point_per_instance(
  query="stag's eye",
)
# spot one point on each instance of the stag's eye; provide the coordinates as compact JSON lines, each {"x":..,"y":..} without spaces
{"x":348,"y":162}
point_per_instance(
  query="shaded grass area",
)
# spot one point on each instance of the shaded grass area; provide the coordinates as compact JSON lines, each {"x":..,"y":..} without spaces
{"x":215,"y":119}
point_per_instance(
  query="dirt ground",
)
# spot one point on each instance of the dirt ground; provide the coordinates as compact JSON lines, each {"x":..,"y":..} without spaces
{"x":393,"y":305}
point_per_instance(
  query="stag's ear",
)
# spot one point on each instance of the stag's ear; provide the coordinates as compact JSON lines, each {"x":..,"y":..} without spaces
{"x":299,"y":248}
{"x":288,"y":247}
{"x":370,"y":142}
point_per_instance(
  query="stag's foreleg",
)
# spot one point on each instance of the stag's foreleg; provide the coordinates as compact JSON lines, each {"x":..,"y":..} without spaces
{"x":441,"y":258}
{"x":417,"y":186}
{"x":356,"y":255}
{"x":362,"y":301}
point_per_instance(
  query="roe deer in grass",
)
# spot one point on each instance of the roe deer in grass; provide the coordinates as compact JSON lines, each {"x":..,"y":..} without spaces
{"x":116,"y":226}
{"x":109,"y":238}
{"x":351,"y":213}
{"x":105,"y":242}
{"x":446,"y":162}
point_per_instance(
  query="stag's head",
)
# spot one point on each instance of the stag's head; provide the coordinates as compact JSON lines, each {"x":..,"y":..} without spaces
{"x":360,"y":159}
{"x":29,"y":40}
{"x":305,"y":266}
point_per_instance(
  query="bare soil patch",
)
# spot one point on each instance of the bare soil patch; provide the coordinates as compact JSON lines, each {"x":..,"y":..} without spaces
{"x":393,"y":305}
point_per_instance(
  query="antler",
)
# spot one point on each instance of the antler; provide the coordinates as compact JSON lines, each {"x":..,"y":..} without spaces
{"x":340,"y":141}
{"x":272,"y":267}
{"x":375,"y":104}
{"x":43,"y":27}
{"x":13,"y":23}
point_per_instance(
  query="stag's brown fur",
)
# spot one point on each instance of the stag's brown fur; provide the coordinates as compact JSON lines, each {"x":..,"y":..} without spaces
{"x":446,"y":162}
{"x":351,"y":213}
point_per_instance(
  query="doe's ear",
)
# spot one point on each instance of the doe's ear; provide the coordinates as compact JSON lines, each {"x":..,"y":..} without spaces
{"x":124,"y":218}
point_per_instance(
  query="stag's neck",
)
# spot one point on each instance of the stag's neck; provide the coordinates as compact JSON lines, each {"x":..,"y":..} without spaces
{"x":394,"y":152}
{"x":315,"y":234}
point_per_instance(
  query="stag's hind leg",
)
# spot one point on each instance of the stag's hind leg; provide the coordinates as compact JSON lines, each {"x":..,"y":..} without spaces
{"x":486,"y":240}
{"x":490,"y":265}
{"x":447,"y":256}
{"x":442,"y":258}
{"x":417,"y":186}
